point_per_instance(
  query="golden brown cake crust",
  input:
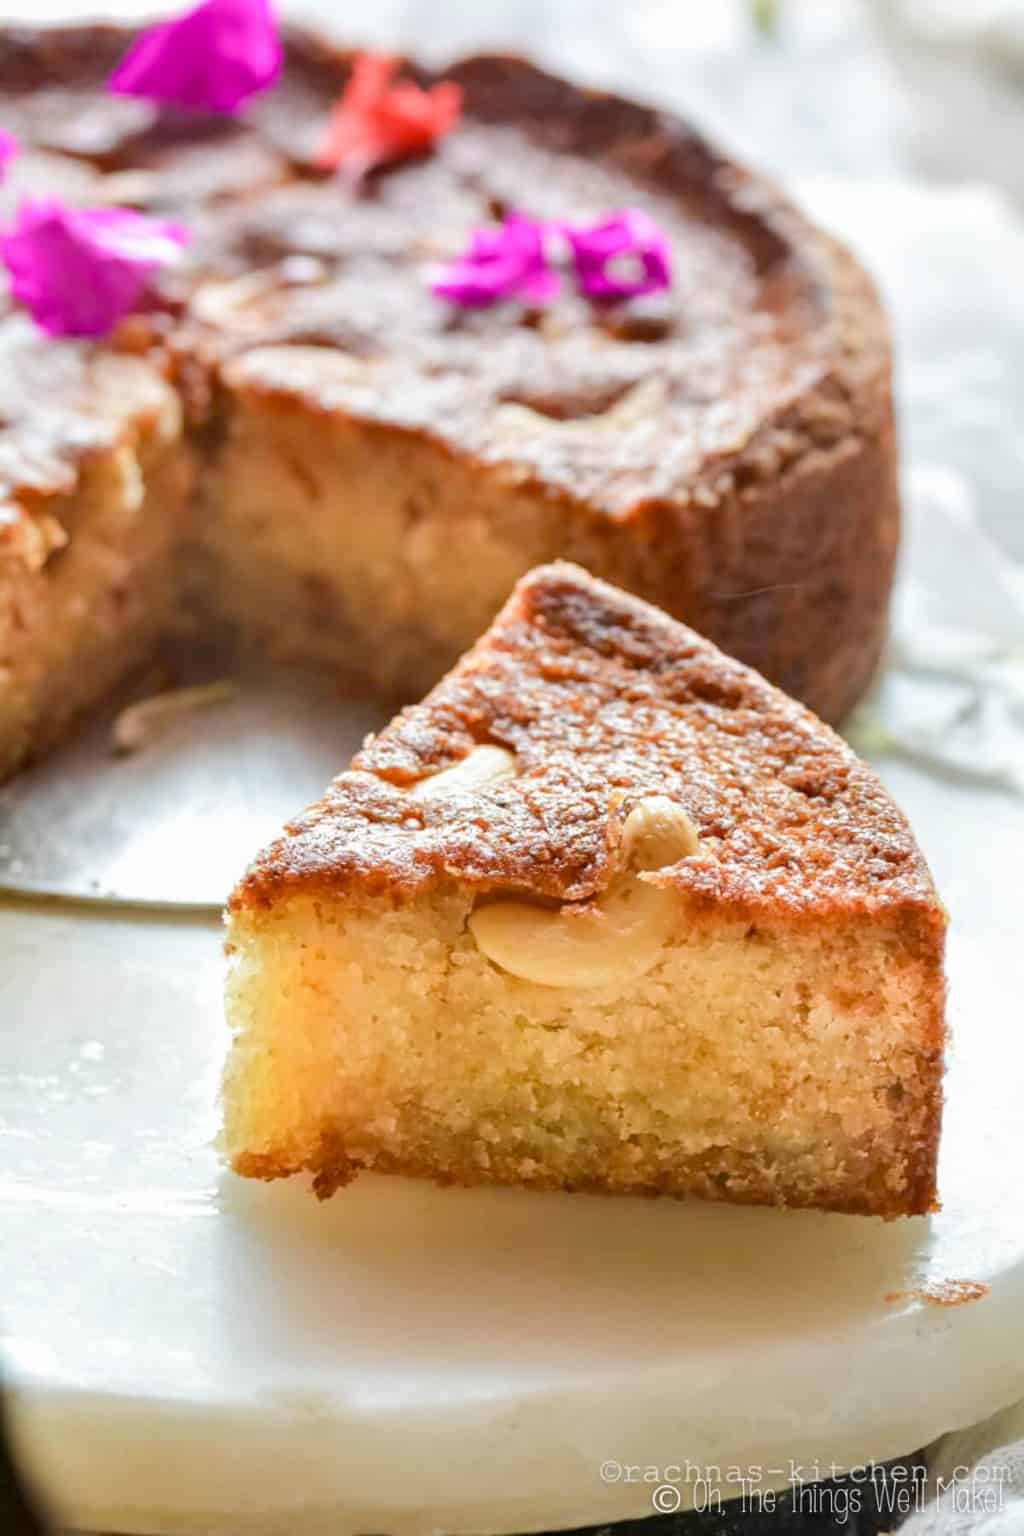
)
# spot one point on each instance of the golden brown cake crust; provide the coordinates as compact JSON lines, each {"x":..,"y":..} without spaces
{"x":735,"y":437}
{"x":604,"y":700}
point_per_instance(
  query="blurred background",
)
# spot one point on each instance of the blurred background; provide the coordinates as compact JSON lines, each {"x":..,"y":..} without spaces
{"x":863,"y":87}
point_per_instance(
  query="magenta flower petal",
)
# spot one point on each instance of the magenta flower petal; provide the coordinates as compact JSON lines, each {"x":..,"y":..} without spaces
{"x":506,"y":261}
{"x":9,"y":147}
{"x":621,"y":256}
{"x":78,"y":271}
{"x":211,"y":59}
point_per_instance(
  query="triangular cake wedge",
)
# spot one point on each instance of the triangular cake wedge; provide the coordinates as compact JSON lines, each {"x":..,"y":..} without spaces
{"x":606,"y":911}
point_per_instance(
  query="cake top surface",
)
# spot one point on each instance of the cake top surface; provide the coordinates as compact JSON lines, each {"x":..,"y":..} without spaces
{"x":754,"y":356}
{"x":60,"y":402}
{"x":604,"y":701}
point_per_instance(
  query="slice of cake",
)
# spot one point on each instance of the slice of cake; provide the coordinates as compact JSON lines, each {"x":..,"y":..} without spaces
{"x":606,"y":911}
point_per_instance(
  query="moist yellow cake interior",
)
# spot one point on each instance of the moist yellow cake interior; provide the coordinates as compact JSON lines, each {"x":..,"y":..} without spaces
{"x":89,"y":583}
{"x":328,"y":537}
{"x":768,"y":1060}
{"x":374,"y":552}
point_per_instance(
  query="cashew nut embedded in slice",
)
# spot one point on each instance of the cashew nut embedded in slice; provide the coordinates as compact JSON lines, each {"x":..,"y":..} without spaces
{"x":656,"y":833}
{"x":614,"y":939}
{"x":483,"y":765}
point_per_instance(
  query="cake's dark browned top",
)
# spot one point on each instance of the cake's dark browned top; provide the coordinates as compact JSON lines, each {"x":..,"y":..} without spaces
{"x":770,"y":342}
{"x":605,"y":700}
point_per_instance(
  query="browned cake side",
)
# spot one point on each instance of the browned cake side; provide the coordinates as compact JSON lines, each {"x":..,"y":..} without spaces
{"x":93,"y":509}
{"x":378,"y":469}
{"x":780,"y":1038}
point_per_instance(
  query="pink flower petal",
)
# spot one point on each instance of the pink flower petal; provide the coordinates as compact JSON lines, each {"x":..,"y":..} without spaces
{"x":211,"y":59}
{"x":504,"y":261}
{"x":623,"y":255}
{"x":78,"y":271}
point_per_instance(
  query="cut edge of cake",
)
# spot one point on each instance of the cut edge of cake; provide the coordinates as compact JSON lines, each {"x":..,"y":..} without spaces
{"x":90,"y":539}
{"x":606,"y":911}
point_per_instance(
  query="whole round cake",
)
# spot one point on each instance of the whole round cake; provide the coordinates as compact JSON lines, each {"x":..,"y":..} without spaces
{"x":297,"y":436}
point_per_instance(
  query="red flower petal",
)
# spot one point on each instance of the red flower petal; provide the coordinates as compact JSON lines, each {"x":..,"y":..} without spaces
{"x":375,"y":121}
